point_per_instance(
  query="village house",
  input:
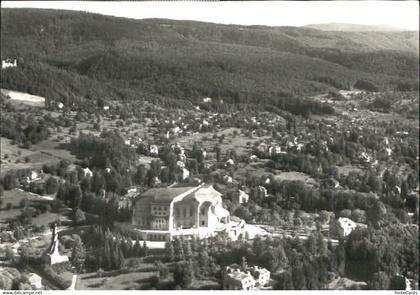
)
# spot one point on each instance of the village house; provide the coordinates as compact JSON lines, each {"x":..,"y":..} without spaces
{"x":227,"y":179}
{"x":343,"y":226}
{"x":274,"y":150}
{"x":154,"y":150}
{"x":253,"y":158}
{"x":185,"y":173}
{"x":8,"y":63}
{"x":260,"y":274}
{"x":126,"y":201}
{"x":365,"y":157}
{"x":180,"y":164}
{"x":262,"y":190}
{"x":161,"y":213}
{"x":35,"y":281}
{"x":235,"y":279}
{"x":240,"y":197}
{"x":33,"y":176}
{"x":87,"y":172}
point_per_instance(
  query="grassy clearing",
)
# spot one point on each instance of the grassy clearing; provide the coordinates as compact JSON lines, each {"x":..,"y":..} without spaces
{"x":27,"y":99}
{"x":253,"y":170}
{"x":290,"y":176}
{"x":241,"y":143}
{"x":205,"y":285}
{"x":47,"y":151}
{"x":136,"y":280}
{"x":15,"y":197}
{"x":345,"y":170}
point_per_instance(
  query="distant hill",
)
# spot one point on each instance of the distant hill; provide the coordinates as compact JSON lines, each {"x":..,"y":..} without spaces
{"x":67,"y":55}
{"x":342,"y":27}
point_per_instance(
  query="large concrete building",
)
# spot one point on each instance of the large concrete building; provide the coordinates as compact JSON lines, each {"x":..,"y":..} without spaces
{"x":162,"y":213}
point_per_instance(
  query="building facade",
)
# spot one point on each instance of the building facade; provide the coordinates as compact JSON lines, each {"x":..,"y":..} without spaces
{"x":235,"y":279}
{"x":161,"y":213}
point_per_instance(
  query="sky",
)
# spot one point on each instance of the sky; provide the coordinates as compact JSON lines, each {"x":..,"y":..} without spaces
{"x":399,"y":14}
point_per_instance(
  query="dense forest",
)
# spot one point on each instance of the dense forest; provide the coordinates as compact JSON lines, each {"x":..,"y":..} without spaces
{"x":61,"y":52}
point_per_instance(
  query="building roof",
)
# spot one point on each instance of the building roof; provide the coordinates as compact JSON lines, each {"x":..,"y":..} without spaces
{"x":239,"y":275}
{"x":165,"y":194}
{"x":204,"y":194}
{"x":34,"y":278}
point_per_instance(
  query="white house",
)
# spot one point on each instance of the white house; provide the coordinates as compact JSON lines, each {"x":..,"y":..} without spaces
{"x":185,"y":173}
{"x":180,"y":164}
{"x":34,"y":175}
{"x":260,"y":274}
{"x":365,"y":157}
{"x":227,"y":179}
{"x":60,"y":105}
{"x":230,"y":162}
{"x":235,"y":279}
{"x":132,"y":190}
{"x":176,"y":130}
{"x":35,"y":281}
{"x":262,"y":190}
{"x":87,"y":172}
{"x":241,"y":197}
{"x":346,"y":225}
{"x":8,"y":63}
{"x":207,"y":99}
{"x":154,"y":150}
{"x":253,"y":158}
{"x":274,"y":150}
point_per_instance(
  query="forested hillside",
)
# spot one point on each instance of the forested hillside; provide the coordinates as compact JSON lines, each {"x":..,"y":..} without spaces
{"x":72,"y":56}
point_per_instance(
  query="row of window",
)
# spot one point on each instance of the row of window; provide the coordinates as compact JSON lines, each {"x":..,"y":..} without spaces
{"x":191,"y":211}
{"x":159,"y":208}
{"x":189,"y":225}
{"x":154,"y":237}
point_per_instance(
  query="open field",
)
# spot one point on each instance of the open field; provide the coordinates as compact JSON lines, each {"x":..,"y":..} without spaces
{"x":135,"y":280}
{"x":345,"y":170}
{"x":46,"y":151}
{"x":15,"y":197}
{"x":290,"y":176}
{"x":24,"y":98}
{"x":241,"y":144}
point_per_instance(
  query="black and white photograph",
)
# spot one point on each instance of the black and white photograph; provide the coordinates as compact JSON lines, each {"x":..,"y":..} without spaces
{"x":209,"y":145}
